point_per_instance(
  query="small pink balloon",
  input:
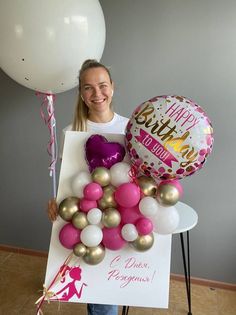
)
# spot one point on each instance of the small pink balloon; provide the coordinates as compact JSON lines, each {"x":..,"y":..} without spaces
{"x":129,"y":215}
{"x":127,"y":195}
{"x":85,"y":205}
{"x":144,"y":226}
{"x":176,"y":183}
{"x":69,"y":236}
{"x":112,"y":238}
{"x":93,"y":191}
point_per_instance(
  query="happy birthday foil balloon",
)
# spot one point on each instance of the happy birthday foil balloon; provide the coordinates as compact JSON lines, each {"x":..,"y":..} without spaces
{"x":169,"y":137}
{"x":100,"y":152}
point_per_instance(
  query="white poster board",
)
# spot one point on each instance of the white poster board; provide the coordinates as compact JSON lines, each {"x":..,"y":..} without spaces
{"x":124,"y":277}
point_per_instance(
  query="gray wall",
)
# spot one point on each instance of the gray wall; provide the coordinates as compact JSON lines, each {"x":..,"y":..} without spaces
{"x":154,"y":47}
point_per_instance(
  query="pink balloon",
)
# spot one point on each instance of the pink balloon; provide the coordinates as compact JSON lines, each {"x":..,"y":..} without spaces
{"x":69,"y":236}
{"x":85,"y":205}
{"x":129,"y":215}
{"x":176,"y":183}
{"x":127,"y":195}
{"x":93,"y":191}
{"x":101,"y":152}
{"x":144,"y":226}
{"x":112,"y":238}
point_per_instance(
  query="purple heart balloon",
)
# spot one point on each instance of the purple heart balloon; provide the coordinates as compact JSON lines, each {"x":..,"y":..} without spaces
{"x":101,"y":152}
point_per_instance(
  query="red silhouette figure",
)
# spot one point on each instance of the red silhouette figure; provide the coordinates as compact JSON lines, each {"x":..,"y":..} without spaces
{"x":75,"y":274}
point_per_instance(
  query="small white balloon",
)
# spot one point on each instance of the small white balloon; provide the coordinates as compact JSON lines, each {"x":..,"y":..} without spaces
{"x":79,"y":181}
{"x":94,"y":216}
{"x":91,"y":235}
{"x":120,"y":174}
{"x":166,"y":220}
{"x":129,"y":232}
{"x":148,"y":206}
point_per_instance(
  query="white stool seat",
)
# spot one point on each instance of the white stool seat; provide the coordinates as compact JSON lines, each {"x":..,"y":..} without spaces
{"x":188,"y":218}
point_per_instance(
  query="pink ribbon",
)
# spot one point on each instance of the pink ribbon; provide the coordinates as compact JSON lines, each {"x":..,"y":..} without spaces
{"x":47,"y":114}
{"x":155,"y":147}
{"x":47,"y":294}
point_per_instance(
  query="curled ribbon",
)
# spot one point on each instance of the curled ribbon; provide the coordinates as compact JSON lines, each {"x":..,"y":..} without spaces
{"x":47,"y":114}
{"x":133,"y":172}
{"x":47,"y":293}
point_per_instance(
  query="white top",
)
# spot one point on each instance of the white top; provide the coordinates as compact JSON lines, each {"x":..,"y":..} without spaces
{"x":117,"y":125}
{"x":188,"y":218}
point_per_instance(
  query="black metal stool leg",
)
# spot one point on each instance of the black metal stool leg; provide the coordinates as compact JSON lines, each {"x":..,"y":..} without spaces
{"x":125,"y":310}
{"x":187,"y":270}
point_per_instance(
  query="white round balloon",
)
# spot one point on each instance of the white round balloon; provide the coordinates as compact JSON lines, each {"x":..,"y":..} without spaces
{"x":166,"y":220}
{"x":94,"y":216}
{"x":44,"y":43}
{"x":79,"y":181}
{"x":129,"y":232}
{"x":148,"y":206}
{"x":120,"y":174}
{"x":91,"y":235}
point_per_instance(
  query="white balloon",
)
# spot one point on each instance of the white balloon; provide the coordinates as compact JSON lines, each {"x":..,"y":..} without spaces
{"x":120,"y":174}
{"x":129,"y":232}
{"x":44,"y":43}
{"x":94,"y":216}
{"x":166,"y":220}
{"x":91,"y":235}
{"x":78,"y":183}
{"x":148,"y":206}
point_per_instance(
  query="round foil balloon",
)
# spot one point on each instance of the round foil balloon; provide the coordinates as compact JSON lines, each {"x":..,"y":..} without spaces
{"x":45,"y":53}
{"x":169,"y":137}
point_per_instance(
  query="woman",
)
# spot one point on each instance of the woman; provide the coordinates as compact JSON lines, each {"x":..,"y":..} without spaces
{"x":94,"y":113}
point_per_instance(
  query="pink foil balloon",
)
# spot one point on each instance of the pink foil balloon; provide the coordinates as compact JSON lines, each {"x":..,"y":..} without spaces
{"x":85,"y":205}
{"x":127,"y":195}
{"x":93,"y":191}
{"x":129,"y":215}
{"x":144,"y":226}
{"x":69,"y":236}
{"x":100,"y":152}
{"x":112,"y":238}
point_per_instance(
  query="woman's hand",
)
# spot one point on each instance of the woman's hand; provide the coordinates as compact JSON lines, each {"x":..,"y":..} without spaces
{"x":52,"y":209}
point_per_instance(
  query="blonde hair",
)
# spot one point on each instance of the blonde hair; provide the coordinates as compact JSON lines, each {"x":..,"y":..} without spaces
{"x":81,"y":110}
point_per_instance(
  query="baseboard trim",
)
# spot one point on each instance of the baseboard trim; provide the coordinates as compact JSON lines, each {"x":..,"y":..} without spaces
{"x":206,"y":282}
{"x":194,"y":280}
{"x":25,"y":251}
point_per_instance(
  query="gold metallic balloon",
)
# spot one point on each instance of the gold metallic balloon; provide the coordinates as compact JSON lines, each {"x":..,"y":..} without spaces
{"x":79,"y":220}
{"x":107,"y":200}
{"x":79,"y":250}
{"x":111,"y":218}
{"x":94,"y":255}
{"x":167,"y":195}
{"x":101,"y":175}
{"x":68,"y":207}
{"x":143,"y":242}
{"x":147,"y":185}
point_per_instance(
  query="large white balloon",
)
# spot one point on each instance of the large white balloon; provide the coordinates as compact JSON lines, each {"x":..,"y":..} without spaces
{"x":166,"y":220}
{"x":120,"y":173}
{"x":91,"y":235}
{"x":43,"y":43}
{"x":148,"y":206}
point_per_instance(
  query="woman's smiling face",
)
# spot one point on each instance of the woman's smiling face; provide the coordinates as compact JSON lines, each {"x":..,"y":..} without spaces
{"x":96,"y":90}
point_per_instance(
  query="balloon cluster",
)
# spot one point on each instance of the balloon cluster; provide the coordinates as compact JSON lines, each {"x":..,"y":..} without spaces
{"x":167,"y":138}
{"x":112,"y":207}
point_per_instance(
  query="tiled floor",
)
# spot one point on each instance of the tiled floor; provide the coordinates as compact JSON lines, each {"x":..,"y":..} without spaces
{"x":21,"y":277}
